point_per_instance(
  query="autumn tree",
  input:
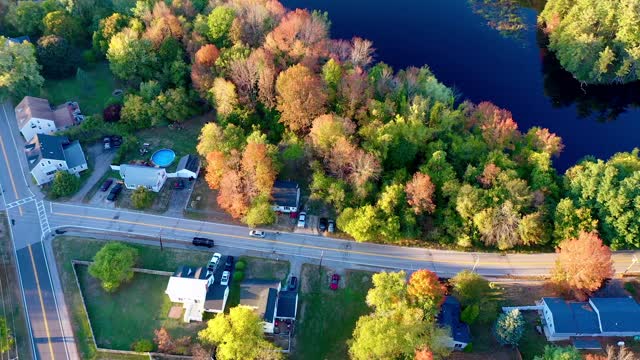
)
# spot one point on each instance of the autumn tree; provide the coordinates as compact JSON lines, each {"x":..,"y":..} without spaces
{"x":613,"y":353}
{"x":583,"y":264}
{"x":224,"y":96}
{"x":202,"y":75}
{"x":238,"y":335}
{"x":426,"y":292}
{"x":420,"y":191}
{"x":131,"y":57}
{"x":499,"y":226}
{"x":389,"y":291}
{"x":232,"y":196}
{"x":164,"y":340}
{"x":163,"y":24}
{"x":497,"y":126}
{"x":423,"y":354}
{"x":327,"y":129}
{"x":301,"y":97}
{"x":19,"y":68}
{"x":107,"y":28}
{"x":259,"y":168}
{"x":63,"y":24}
{"x":300,"y":36}
{"x":362,"y":53}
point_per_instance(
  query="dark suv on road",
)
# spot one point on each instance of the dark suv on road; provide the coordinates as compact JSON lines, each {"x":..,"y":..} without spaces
{"x":200,"y":241}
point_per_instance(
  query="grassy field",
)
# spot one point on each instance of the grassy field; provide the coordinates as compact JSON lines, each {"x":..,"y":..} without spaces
{"x":91,"y":91}
{"x":11,"y":306}
{"x":327,"y":318}
{"x":132,"y":313}
{"x":72,"y":248}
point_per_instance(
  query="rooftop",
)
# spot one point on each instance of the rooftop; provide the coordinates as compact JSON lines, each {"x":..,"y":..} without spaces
{"x":140,"y":174}
{"x":287,"y":304}
{"x":190,"y":272}
{"x":33,"y":107}
{"x":260,"y":295}
{"x":189,"y":162}
{"x":285,"y":193}
{"x":618,"y":314}
{"x":54,"y":148}
{"x":449,"y":316}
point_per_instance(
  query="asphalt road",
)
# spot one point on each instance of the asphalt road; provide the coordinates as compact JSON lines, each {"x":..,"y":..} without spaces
{"x":27,"y":213}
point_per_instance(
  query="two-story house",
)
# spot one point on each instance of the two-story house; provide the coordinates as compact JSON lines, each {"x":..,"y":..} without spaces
{"x":36,"y":116}
{"x":48,"y":154}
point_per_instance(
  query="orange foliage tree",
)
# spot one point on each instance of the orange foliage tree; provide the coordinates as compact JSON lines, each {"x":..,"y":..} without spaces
{"x":582,"y":265}
{"x":164,"y":340}
{"x":420,"y":192}
{"x":498,"y":128}
{"x":301,"y":97}
{"x":423,"y":354}
{"x":426,"y":291}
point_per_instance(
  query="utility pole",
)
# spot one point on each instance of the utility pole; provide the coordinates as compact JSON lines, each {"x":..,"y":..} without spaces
{"x":634,"y":260}
{"x":476,"y":263}
{"x":161,"y":248}
{"x":321,"y":256}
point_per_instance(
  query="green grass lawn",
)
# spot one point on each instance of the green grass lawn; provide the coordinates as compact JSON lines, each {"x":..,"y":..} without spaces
{"x":150,"y":257}
{"x":327,"y":318}
{"x":91,"y":91}
{"x":132,"y":313}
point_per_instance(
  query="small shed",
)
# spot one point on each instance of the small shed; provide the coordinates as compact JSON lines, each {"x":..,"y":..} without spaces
{"x":188,"y":167}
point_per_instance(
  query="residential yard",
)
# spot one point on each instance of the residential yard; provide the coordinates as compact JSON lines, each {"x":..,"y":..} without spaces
{"x":92,"y":89}
{"x":11,"y":307}
{"x":326,"y":318}
{"x":150,"y":257}
{"x":257,"y":268}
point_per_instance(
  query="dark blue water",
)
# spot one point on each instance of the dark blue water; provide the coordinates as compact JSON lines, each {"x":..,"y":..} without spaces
{"x":516,"y":73}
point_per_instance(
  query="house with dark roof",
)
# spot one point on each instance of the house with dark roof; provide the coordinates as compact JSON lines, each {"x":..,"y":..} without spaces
{"x":19,"y":39}
{"x":188,"y":167}
{"x":48,"y":154}
{"x":269,"y":302}
{"x":286,"y":196}
{"x":449,"y":317}
{"x":37,"y":116}
{"x":197,"y":290}
{"x":562,"y":320}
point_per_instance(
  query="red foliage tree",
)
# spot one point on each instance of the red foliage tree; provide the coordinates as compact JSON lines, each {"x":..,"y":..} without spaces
{"x":231,"y":196}
{"x":207,"y":55}
{"x":543,"y":140}
{"x":112,"y":113}
{"x":498,"y":128}
{"x":582,"y":265}
{"x":216,"y":167}
{"x":164,"y":341}
{"x":423,"y":354}
{"x":162,"y":24}
{"x":354,"y":92}
{"x":420,"y":192}
{"x":426,"y":291}
{"x":299,"y":35}
{"x":362,"y":53}
{"x":489,"y":175}
{"x":258,"y":168}
{"x":301,"y":97}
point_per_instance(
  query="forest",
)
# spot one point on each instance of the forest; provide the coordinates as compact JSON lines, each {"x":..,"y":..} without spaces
{"x":396,"y":155}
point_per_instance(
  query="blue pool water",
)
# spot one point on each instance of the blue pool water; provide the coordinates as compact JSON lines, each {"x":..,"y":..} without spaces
{"x":163,"y":158}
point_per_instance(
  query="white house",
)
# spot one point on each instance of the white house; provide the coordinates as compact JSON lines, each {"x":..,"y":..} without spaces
{"x":152,"y":178}
{"x":196,"y":289}
{"x":48,"y":154}
{"x":36,"y":116}
{"x":286,"y":196}
{"x":188,"y":167}
{"x":269,"y":302}
{"x":597,"y":317}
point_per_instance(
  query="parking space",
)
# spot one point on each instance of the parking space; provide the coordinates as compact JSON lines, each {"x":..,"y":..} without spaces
{"x":100,"y":197}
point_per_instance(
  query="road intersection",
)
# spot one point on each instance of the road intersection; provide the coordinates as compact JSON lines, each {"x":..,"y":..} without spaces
{"x":36,"y":221}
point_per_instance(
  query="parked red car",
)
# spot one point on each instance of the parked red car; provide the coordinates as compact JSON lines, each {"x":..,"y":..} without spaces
{"x":335,"y":279}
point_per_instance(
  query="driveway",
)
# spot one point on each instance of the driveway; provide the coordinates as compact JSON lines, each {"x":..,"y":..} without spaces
{"x":179,"y":197}
{"x":101,"y":162}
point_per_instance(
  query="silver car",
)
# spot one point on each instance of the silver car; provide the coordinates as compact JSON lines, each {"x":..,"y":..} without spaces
{"x":302,"y":219}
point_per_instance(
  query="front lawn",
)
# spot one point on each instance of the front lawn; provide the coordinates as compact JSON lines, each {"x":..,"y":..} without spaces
{"x":91,"y":89}
{"x":132,"y":313}
{"x":150,"y":257}
{"x":327,"y":318}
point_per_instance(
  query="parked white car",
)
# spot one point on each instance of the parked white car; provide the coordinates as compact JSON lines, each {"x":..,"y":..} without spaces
{"x":257,"y":233}
{"x":302,"y":219}
{"x":213,"y":263}
{"x":224,"y":280}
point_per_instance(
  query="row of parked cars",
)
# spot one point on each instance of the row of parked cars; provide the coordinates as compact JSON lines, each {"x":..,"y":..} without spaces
{"x":324,"y":224}
{"x":115,"y":191}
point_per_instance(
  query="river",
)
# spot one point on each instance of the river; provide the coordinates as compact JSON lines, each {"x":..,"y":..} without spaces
{"x":513,"y":72}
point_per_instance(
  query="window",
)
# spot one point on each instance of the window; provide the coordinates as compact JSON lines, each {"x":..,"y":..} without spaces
{"x":457,"y":346}
{"x":48,"y":161}
{"x":33,"y":126}
{"x":51,"y":172}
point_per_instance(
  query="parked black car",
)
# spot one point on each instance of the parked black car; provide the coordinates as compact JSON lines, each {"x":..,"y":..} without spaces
{"x":200,"y":241}
{"x":322,"y":224}
{"x":228,"y":264}
{"x":113,"y":194}
{"x":293,"y":283}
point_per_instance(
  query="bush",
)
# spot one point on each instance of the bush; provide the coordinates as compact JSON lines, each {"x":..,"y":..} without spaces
{"x":470,"y":314}
{"x":142,"y":345}
{"x":64,"y":184}
{"x":629,"y":286}
{"x":468,"y":348}
{"x":141,"y":198}
{"x":113,"y":265}
{"x":260,"y":213}
{"x":240,"y":265}
{"x":112,"y":113}
{"x":510,"y":328}
{"x":238,"y":276}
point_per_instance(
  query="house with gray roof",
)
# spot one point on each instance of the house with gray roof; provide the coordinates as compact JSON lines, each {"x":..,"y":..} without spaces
{"x":598,"y":317}
{"x":188,"y":167}
{"x":48,"y":154}
{"x":286,"y":196}
{"x":149,"y":177}
{"x":198,"y":292}
{"x":269,"y":302}
{"x":449,"y":317}
{"x":37,"y":116}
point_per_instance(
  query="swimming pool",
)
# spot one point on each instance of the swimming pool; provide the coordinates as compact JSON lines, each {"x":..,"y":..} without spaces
{"x":163,"y":157}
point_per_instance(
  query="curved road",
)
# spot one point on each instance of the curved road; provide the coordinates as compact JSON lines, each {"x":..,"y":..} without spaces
{"x":35,"y":220}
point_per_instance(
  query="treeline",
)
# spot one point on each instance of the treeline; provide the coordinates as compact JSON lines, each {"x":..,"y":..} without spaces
{"x":391,"y":152}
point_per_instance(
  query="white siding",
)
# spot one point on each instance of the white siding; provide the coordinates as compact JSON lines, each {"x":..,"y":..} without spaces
{"x":38,"y":126}
{"x":46,"y":169}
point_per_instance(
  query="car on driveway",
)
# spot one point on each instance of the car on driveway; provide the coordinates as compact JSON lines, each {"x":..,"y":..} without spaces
{"x":200,"y":241}
{"x":331,"y":227}
{"x":335,"y":280}
{"x":228,"y":264}
{"x":323,"y":223}
{"x":113,"y":194}
{"x":302,"y":219}
{"x":178,"y":185}
{"x":224,"y":280}
{"x":257,"y":233}
{"x":213,"y":263}
{"x":106,"y":185}
{"x":293,"y":283}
